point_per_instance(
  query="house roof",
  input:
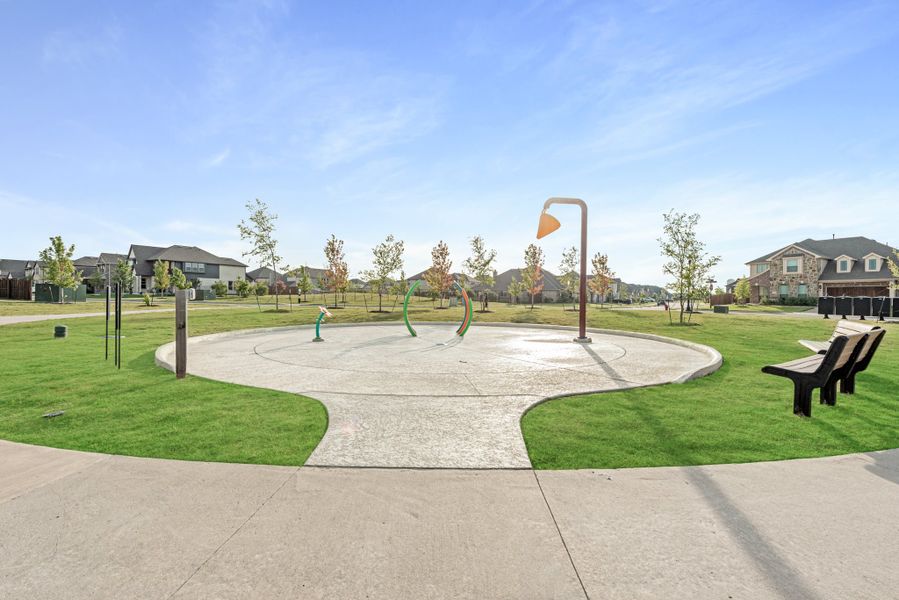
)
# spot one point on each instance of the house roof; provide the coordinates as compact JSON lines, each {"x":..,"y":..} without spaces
{"x":550,"y":280}
{"x":856,"y":247}
{"x":264,"y":273}
{"x":107,"y":258}
{"x":16,"y":268}
{"x":193,"y":254}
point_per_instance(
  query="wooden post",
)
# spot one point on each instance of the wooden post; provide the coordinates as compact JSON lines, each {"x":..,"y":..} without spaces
{"x":180,"y":333}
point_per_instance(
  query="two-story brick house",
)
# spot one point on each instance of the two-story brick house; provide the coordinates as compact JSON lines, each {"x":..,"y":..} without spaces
{"x":855,"y":266}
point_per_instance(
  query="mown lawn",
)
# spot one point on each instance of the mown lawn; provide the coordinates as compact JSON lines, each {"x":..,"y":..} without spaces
{"x":737,"y":414}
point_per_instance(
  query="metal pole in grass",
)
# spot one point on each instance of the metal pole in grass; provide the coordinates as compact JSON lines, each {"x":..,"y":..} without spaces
{"x":180,"y":333}
{"x":107,"y":323}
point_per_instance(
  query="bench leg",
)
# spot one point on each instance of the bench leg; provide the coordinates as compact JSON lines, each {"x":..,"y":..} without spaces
{"x":847,"y":385}
{"x":802,"y":399}
{"x":829,"y":393}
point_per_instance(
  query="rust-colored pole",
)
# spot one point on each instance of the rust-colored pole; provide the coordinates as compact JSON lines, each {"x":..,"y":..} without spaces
{"x":582,"y":317}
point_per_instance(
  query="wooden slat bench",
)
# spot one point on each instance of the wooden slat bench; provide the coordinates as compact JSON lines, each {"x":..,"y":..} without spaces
{"x":844,"y":327}
{"x":815,"y":371}
{"x":847,"y":382}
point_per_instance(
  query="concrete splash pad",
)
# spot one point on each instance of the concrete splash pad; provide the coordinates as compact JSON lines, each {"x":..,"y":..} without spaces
{"x":436,"y":400}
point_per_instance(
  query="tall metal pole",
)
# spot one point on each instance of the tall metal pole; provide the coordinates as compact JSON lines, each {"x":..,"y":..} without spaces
{"x":180,"y":333}
{"x":582,"y":317}
{"x":107,"y":322}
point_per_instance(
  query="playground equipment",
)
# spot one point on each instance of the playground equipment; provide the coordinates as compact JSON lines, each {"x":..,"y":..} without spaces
{"x":323,"y":312}
{"x":466,"y":319}
{"x":548,"y":224}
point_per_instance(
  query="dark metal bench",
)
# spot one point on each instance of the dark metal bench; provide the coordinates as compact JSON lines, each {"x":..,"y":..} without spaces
{"x":847,"y":382}
{"x":815,"y":371}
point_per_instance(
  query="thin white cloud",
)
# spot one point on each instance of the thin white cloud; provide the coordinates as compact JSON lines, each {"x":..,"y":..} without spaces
{"x":80,"y":46}
{"x":216,"y":160}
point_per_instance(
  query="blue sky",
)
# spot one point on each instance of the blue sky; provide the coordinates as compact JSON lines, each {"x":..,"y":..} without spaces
{"x":155,"y":122}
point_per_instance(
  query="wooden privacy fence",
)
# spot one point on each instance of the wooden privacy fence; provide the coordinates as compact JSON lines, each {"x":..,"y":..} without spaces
{"x":719,"y":299}
{"x":15,"y":289}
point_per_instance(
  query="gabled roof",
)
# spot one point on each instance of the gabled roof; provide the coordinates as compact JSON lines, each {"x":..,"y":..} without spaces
{"x":16,"y":268}
{"x":550,"y":280}
{"x":193,"y":254}
{"x":107,"y":258}
{"x":851,"y":246}
{"x":265,"y":274}
{"x":86,"y":261}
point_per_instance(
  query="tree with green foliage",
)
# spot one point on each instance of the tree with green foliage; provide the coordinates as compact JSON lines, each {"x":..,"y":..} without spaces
{"x":532,"y":274}
{"x":687,"y":261}
{"x":242,"y":287}
{"x":569,"y":272}
{"x":337,"y":274}
{"x":742,"y":292}
{"x":123,"y":275}
{"x":97,"y":280}
{"x":220,"y":288}
{"x":622,"y":290}
{"x":304,"y":282}
{"x":259,"y":231}
{"x":479,"y":266}
{"x":161,"y":276}
{"x":601,"y":282}
{"x":387,"y":259}
{"x":179,"y":279}
{"x":438,"y":276}
{"x":58,"y":267}
{"x":515,"y":289}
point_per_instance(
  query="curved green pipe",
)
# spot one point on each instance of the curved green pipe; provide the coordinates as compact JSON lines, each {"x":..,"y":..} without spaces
{"x":318,"y":324}
{"x":406,"y":308}
{"x":466,"y":319}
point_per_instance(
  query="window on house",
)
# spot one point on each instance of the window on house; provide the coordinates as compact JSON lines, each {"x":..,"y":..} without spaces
{"x":194,"y":267}
{"x":230,"y":286}
{"x":143,"y":283}
{"x":784,"y":291}
{"x":844,"y":266}
{"x":761,"y":268}
{"x":803,"y":290}
{"x":792,"y":265}
{"x":872,"y":264}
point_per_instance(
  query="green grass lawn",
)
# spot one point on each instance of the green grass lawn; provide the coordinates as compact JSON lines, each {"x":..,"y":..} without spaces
{"x":737,"y":414}
{"x":771,"y":308}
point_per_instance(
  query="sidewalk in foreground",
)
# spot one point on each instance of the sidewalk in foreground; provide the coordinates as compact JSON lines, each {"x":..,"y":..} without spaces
{"x":78,"y":525}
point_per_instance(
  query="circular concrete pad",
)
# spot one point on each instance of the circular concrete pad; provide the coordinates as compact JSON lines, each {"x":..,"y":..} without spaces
{"x":436,"y":400}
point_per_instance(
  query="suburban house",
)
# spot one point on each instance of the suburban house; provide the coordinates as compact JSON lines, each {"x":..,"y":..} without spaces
{"x":201,"y":267}
{"x":20,"y":269}
{"x":854,"y":266}
{"x":552,"y":288}
{"x":269,"y":276}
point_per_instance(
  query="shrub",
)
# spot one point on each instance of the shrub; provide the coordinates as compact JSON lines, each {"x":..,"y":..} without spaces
{"x":148,"y":299}
{"x":220,"y":288}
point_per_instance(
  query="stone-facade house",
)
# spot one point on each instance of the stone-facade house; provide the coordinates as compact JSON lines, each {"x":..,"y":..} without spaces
{"x":856,"y":266}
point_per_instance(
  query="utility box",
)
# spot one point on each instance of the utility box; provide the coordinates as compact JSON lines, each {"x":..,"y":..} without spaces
{"x":722,"y":309}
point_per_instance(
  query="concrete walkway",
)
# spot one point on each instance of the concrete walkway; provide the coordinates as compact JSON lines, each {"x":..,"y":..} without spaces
{"x":436,"y":400}
{"x":75,"y":525}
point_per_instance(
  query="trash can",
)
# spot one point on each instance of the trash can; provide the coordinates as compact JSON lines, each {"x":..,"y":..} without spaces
{"x":843,"y":306}
{"x":861,"y":306}
{"x":60,"y":331}
{"x":825,"y":305}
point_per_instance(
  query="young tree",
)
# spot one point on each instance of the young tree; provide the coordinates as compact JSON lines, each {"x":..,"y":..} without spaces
{"x":58,"y":267}
{"x":123,"y":275}
{"x":688,"y":263}
{"x":260,"y":233}
{"x":179,"y":279}
{"x":532,"y":274}
{"x":742,"y":292}
{"x":387,"y":259}
{"x":242,"y":287}
{"x":337,"y":273}
{"x":220,"y":288}
{"x":479,"y":266}
{"x":569,"y":267}
{"x":304,"y":282}
{"x":622,"y":290}
{"x":515,"y":290}
{"x":161,"y":276}
{"x":97,"y":280}
{"x":601,"y":282}
{"x":439,"y":277}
